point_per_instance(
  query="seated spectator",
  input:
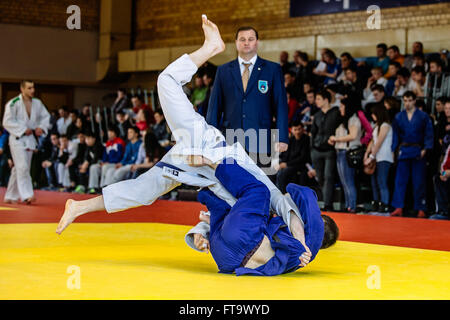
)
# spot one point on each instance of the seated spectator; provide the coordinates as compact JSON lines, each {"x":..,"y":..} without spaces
{"x":379,"y":150}
{"x":150,"y":153}
{"x":208,"y":80}
{"x":394,"y":68}
{"x":198,"y":94}
{"x":323,"y":155}
{"x":138,"y":104}
{"x":121,"y":103}
{"x":381,"y":60}
{"x":161,"y":130}
{"x":292,"y":103}
{"x":419,"y":61}
{"x":444,"y":58}
{"x":417,"y":48}
{"x":393,"y":53}
{"x":123,"y":168}
{"x":4,"y":135}
{"x":92,"y":155}
{"x":85,"y":114}
{"x":112,"y":154}
{"x":307,"y":110}
{"x":286,"y":66}
{"x":413,"y":136}
{"x":303,"y":69}
{"x":123,"y":123}
{"x":332,"y":68}
{"x":295,"y":158}
{"x":291,"y":84}
{"x":403,"y":83}
{"x":418,"y":76}
{"x":439,"y":108}
{"x":50,"y":164}
{"x":375,"y":94}
{"x":347,"y":136}
{"x":347,"y":61}
{"x":72,"y":129}
{"x":144,"y":119}
{"x":77,"y":161}
{"x":352,"y":84}
{"x":67,"y":152}
{"x":63,"y":121}
{"x":392,"y":105}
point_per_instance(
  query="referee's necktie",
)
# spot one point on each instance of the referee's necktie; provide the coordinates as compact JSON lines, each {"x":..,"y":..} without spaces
{"x":245,"y":75}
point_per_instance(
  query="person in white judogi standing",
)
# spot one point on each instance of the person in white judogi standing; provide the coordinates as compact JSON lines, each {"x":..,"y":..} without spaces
{"x":25,"y":118}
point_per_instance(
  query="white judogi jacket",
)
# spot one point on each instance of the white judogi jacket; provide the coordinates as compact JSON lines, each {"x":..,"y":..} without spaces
{"x":16,"y":121}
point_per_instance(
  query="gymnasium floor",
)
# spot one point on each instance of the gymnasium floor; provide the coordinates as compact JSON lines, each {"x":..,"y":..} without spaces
{"x":141,"y":254}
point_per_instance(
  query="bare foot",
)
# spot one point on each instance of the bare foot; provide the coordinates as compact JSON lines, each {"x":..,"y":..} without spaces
{"x":9,"y":201}
{"x":68,"y":217}
{"x":213,"y":40}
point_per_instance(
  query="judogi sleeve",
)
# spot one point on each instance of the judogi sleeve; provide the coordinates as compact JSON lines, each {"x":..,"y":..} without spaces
{"x":12,"y":123}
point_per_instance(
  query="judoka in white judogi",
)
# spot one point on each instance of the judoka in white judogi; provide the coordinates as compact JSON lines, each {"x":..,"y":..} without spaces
{"x":17,"y":121}
{"x":193,"y":137}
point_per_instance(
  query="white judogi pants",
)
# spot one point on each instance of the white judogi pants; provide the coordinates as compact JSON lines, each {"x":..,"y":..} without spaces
{"x":193,"y":136}
{"x":20,"y":185}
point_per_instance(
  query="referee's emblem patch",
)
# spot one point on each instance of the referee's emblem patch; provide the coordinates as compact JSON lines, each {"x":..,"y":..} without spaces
{"x":263,"y":86}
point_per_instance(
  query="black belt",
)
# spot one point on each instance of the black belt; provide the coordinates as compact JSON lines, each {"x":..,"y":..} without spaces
{"x":251,"y":253}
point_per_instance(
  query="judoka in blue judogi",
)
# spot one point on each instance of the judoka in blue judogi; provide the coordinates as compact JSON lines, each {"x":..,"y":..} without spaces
{"x":413,"y":136}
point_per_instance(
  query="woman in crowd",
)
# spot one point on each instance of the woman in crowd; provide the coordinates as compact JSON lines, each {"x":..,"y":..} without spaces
{"x":379,"y":150}
{"x":348,"y":136}
{"x":150,"y":152}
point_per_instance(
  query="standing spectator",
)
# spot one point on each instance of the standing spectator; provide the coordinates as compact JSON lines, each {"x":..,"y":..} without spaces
{"x":413,"y":135}
{"x":417,"y":48}
{"x":112,"y":154}
{"x":348,"y":136}
{"x":442,"y":188}
{"x":123,"y":168}
{"x":379,"y":150}
{"x":392,"y":106}
{"x":25,"y":117}
{"x":295,"y":158}
{"x":64,"y":120}
{"x":381,"y":60}
{"x":323,"y":154}
{"x":248,"y":93}
{"x":286,"y":66}
{"x":121,"y":103}
{"x":92,"y":155}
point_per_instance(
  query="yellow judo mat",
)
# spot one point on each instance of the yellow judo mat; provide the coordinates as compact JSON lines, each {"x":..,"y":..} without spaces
{"x":152,"y":261}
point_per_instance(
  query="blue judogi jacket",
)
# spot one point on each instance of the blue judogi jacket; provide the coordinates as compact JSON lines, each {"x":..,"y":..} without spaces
{"x":417,"y":134}
{"x":236,"y":231}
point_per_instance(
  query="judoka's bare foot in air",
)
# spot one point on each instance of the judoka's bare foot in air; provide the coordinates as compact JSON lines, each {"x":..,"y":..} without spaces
{"x":212,"y":46}
{"x":74,"y":209}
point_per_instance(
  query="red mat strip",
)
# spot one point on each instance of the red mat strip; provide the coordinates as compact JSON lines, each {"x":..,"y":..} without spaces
{"x":405,"y":232}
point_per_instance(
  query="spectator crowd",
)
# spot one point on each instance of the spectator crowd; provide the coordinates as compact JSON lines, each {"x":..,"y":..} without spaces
{"x":353,"y":123}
